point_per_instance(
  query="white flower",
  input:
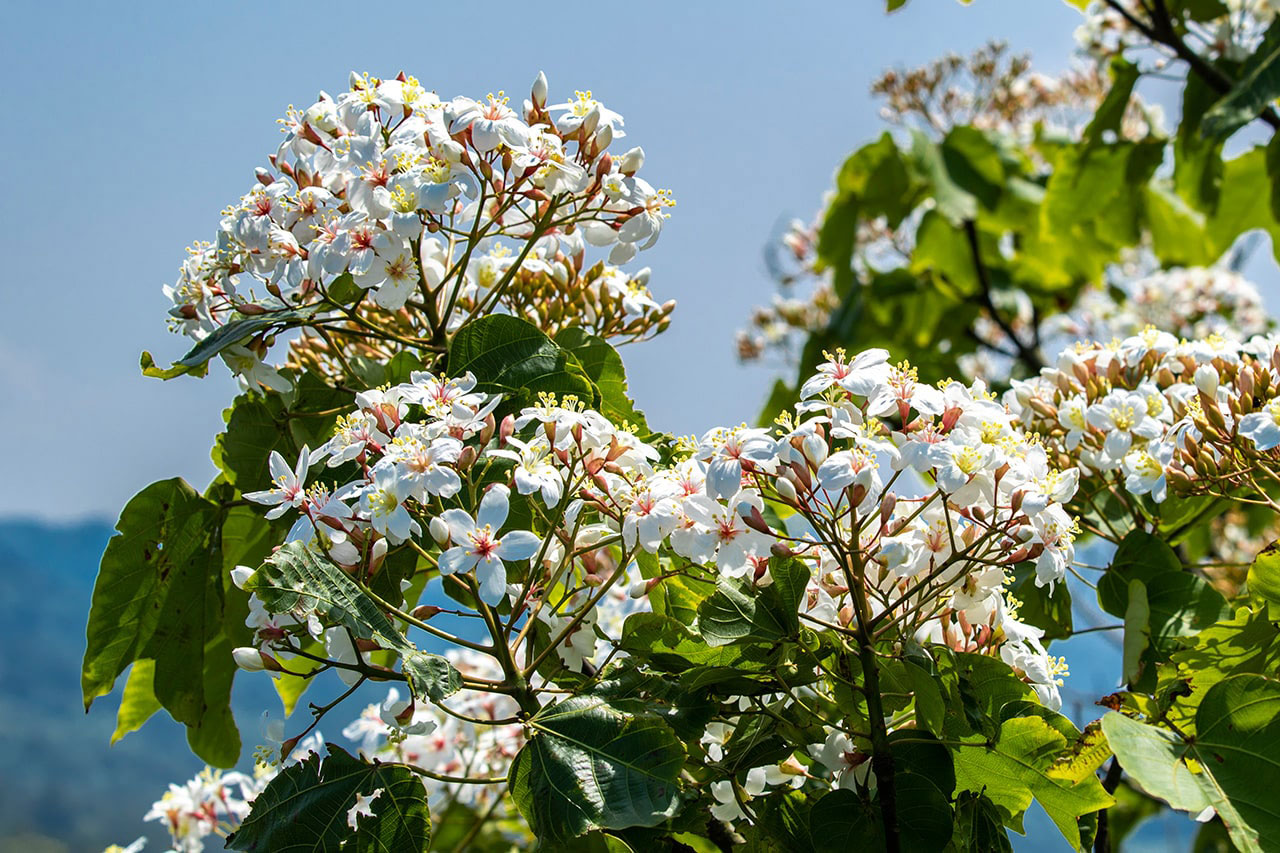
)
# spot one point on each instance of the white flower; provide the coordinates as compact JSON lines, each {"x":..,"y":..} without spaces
{"x":535,"y":470}
{"x":290,"y":486}
{"x":382,"y":501}
{"x":1263,"y":428}
{"x":863,"y":376}
{"x":1144,"y":471}
{"x":479,"y":547}
{"x":1122,"y":415}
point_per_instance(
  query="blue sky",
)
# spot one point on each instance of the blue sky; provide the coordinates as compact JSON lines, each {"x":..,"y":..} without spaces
{"x":132,"y":125}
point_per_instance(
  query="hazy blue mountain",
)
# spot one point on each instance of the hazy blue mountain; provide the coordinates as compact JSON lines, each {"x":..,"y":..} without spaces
{"x":59,"y":779}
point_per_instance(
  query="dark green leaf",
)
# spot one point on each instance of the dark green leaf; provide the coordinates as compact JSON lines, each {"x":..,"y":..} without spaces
{"x":1253,"y":92}
{"x":842,"y":821}
{"x":305,"y":808}
{"x":589,"y":766}
{"x":604,"y":367}
{"x":513,"y":357}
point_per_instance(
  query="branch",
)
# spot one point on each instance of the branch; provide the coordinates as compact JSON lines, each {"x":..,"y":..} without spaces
{"x":1026,"y":354}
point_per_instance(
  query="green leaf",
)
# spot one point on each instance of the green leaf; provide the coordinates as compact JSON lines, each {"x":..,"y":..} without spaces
{"x":1197,"y":158}
{"x":670,"y":646}
{"x":1248,"y":642}
{"x":841,"y":821}
{"x":151,"y":581}
{"x":604,"y":367}
{"x":1141,"y":556}
{"x":295,"y":577}
{"x":1177,"y":231}
{"x":1257,"y":88}
{"x":238,"y":330}
{"x":1230,"y":765}
{"x":1242,"y":206}
{"x":740,"y":610}
{"x":1045,"y":608}
{"x":973,"y":164}
{"x":1137,"y":631}
{"x":1015,"y":770}
{"x":978,"y":826}
{"x":954,"y":203}
{"x":149,"y":368}
{"x":513,"y":357}
{"x":590,"y":766}
{"x":305,"y":808}
{"x":161,"y":596}
{"x":929,"y":707}
{"x":1110,"y":113}
{"x":242,"y":451}
{"x":139,"y":702}
{"x":1264,"y":574}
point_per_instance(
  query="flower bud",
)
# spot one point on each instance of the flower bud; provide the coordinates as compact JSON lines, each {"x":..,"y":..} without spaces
{"x":591,"y":120}
{"x":631,"y":161}
{"x":377,"y":554}
{"x":538,"y":94}
{"x":780,"y":549}
{"x":506,"y":429}
{"x":466,"y":458}
{"x":487,"y":432}
{"x":439,"y":531}
{"x":248,"y":658}
{"x":604,"y":137}
{"x":756,"y":521}
{"x":786,"y":490}
{"x":424,"y":612}
{"x":1207,"y":379}
{"x":240,"y":576}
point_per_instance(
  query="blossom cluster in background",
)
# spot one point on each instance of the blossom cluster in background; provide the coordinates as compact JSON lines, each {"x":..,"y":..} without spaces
{"x":390,"y":214}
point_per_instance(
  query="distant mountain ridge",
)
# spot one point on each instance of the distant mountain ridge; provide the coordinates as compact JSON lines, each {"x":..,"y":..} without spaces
{"x":62,"y":788}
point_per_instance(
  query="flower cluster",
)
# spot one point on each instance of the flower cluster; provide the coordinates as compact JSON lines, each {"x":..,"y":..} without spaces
{"x":993,"y":90}
{"x":388,"y":214}
{"x":1192,"y":417}
{"x":1233,"y":35}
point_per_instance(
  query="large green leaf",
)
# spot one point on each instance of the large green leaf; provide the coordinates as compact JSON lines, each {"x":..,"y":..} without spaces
{"x":162,"y":597}
{"x":161,"y":553}
{"x":1257,"y":88}
{"x":739,"y":609}
{"x":590,"y":766}
{"x":295,"y":577}
{"x":841,"y":821}
{"x":306,"y":807}
{"x":1248,"y":642}
{"x":242,"y":451}
{"x":1017,"y":769}
{"x":515,"y":358}
{"x":1230,"y":764}
{"x":604,"y":367}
